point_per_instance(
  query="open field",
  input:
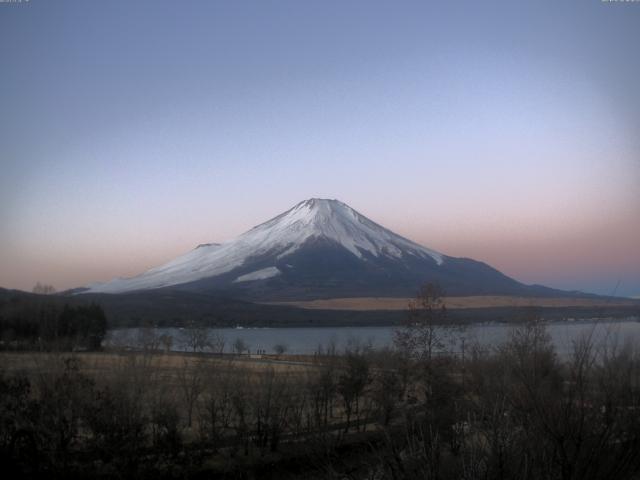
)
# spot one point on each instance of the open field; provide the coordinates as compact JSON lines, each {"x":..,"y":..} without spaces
{"x":491,"y":301}
{"x":104,"y":364}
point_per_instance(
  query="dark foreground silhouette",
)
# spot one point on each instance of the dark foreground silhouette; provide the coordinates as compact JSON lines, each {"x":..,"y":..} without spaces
{"x":516,"y":412}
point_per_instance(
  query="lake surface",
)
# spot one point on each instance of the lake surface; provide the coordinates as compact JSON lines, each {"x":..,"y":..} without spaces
{"x":303,"y":340}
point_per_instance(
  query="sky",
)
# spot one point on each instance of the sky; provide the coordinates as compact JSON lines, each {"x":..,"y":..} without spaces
{"x":504,"y":131}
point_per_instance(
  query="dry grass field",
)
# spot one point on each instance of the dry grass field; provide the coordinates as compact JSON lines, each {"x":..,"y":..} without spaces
{"x":490,"y":301}
{"x":105,"y":364}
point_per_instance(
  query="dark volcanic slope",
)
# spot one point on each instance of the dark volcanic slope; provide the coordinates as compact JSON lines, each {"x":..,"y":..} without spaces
{"x":323,"y":269}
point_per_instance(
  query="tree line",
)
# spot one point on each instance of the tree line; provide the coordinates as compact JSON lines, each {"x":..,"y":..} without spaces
{"x":36,"y":324}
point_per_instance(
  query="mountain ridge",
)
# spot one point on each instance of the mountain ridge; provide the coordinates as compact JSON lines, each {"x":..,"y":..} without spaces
{"x":320,"y":248}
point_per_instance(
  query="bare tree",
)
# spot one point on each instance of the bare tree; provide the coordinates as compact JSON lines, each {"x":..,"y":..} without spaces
{"x":217,"y":342}
{"x":196,"y":338}
{"x":386,"y":385}
{"x":217,"y":406}
{"x":351,"y":385}
{"x":240,"y":404}
{"x":148,"y":339}
{"x":270,"y":408}
{"x":166,"y":341}
{"x":191,"y":380}
{"x":280,"y":348}
{"x":240,"y":346}
{"x":427,"y":327}
{"x":43,"y":289}
{"x":321,"y":387}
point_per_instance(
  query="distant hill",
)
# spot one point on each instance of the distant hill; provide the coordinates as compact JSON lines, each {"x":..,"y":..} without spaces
{"x":174,"y":308}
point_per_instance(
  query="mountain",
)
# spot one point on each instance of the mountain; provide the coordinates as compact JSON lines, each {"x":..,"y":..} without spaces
{"x":320,"y":249}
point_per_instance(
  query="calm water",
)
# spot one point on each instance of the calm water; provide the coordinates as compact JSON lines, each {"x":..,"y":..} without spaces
{"x":307,"y":340}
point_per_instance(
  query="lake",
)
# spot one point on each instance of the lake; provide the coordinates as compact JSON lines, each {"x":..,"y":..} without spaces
{"x":305,"y":340}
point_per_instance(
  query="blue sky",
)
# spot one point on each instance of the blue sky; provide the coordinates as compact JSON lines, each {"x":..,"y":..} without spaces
{"x":502,"y":131}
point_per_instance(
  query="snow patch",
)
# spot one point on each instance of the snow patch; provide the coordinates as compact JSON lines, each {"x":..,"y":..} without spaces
{"x":258,"y":275}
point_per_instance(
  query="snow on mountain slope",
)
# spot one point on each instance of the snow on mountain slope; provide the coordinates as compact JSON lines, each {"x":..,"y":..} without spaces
{"x":258,"y":275}
{"x":280,"y":236}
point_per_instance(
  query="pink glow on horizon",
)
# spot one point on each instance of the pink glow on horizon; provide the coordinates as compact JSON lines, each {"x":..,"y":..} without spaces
{"x":550,"y":255}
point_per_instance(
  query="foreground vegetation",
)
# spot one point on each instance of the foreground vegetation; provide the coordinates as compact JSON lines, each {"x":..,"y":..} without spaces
{"x":516,"y":412}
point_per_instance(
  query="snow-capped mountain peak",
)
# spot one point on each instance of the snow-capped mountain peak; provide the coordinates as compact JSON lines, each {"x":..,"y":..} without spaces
{"x":336,"y":221}
{"x":314,"y":219}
